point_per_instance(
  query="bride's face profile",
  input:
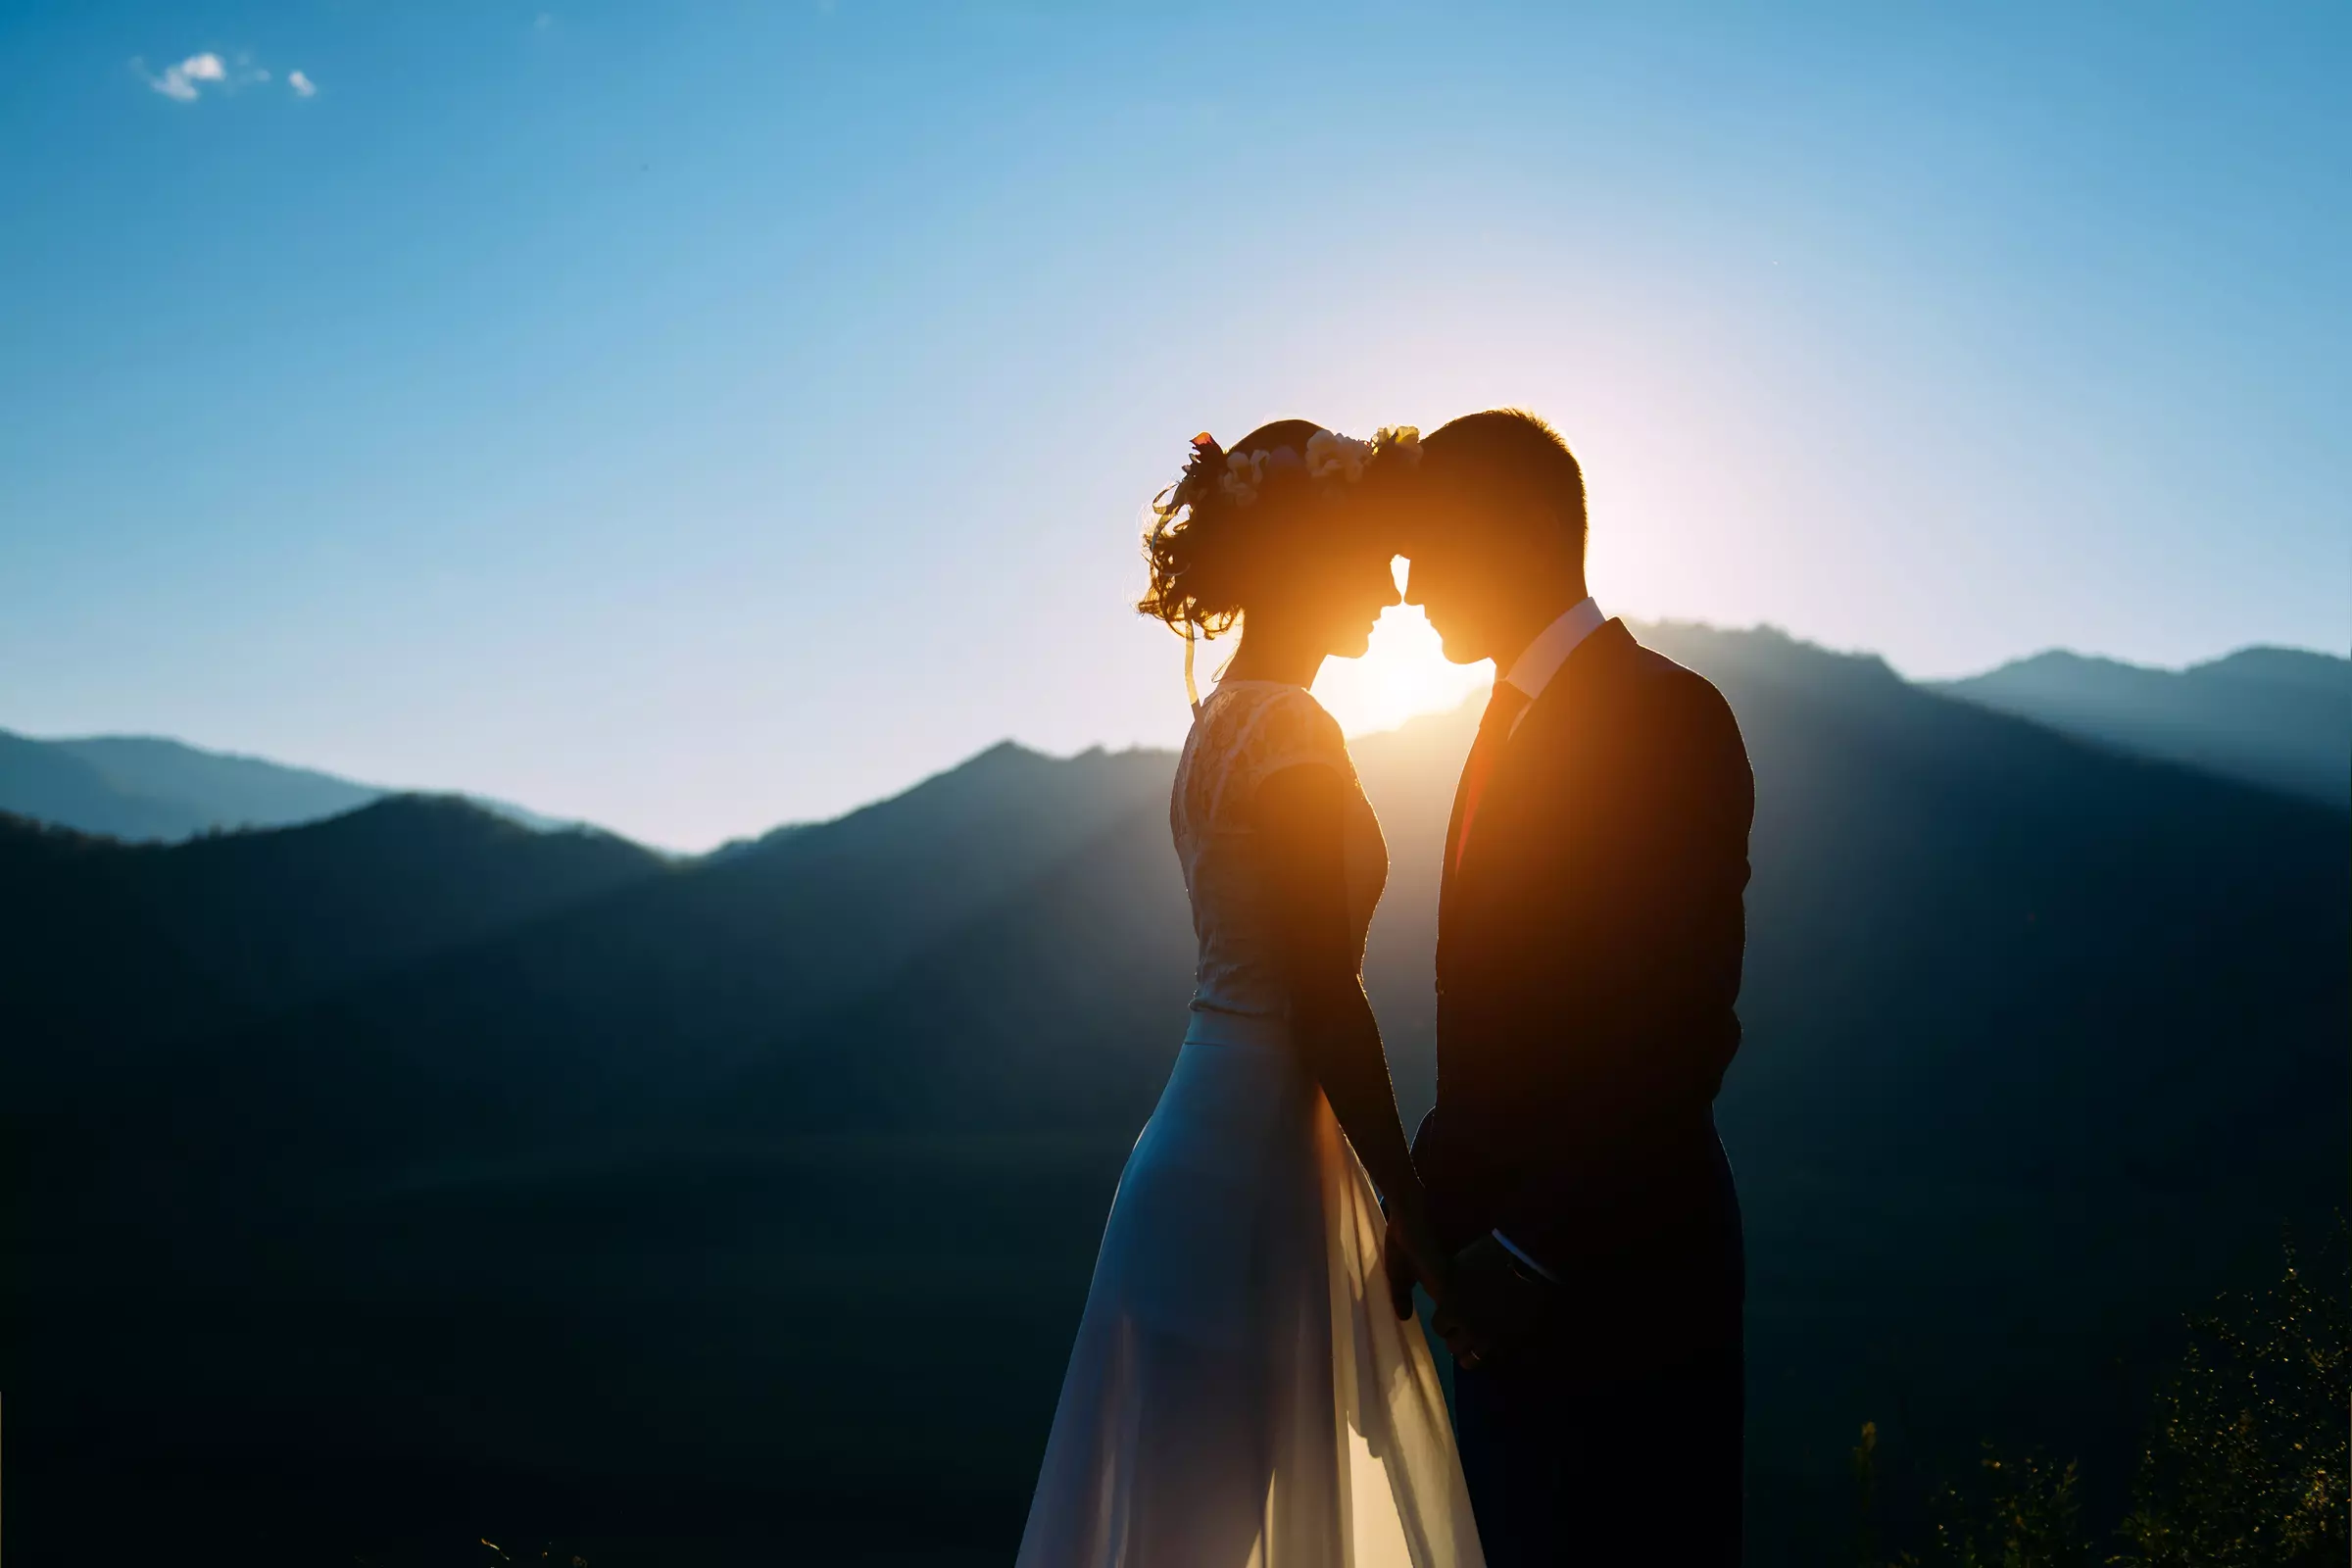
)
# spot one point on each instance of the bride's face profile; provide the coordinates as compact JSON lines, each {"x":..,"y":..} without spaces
{"x":1361,"y":585}
{"x":1325,"y":599}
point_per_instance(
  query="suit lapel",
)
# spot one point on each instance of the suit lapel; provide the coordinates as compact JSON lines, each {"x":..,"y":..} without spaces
{"x":1542,"y":732}
{"x":1453,"y":831}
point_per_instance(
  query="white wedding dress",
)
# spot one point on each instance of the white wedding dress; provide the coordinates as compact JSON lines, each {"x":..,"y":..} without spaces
{"x":1240,"y":1393}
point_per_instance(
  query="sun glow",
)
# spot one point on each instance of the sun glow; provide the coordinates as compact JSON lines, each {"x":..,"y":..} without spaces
{"x":1404,"y":674}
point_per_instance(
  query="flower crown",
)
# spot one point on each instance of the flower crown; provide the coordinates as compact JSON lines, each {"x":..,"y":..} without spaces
{"x":1237,"y":478}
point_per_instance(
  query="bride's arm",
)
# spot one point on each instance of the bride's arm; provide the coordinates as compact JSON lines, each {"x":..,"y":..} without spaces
{"x":1300,"y":816}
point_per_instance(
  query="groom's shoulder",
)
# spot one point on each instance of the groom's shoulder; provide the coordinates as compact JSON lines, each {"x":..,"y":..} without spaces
{"x":1683,"y":694}
{"x":1669,"y":682}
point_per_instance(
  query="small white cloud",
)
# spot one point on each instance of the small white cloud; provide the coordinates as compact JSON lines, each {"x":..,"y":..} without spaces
{"x":183,"y":81}
{"x":179,"y":82}
{"x":304,"y":86}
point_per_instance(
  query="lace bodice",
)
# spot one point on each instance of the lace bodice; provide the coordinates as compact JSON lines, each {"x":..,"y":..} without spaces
{"x":1244,"y":732}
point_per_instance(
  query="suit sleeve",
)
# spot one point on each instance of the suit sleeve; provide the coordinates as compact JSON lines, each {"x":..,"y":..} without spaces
{"x":1648,"y":938}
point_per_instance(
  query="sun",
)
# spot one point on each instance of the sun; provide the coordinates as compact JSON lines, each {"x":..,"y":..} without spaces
{"x":1404,"y":674}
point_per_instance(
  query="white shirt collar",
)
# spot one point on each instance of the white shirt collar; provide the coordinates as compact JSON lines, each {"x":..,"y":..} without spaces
{"x":1533,"y":669}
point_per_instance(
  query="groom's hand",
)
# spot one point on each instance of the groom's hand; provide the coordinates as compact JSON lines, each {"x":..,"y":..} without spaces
{"x":1492,"y":1305}
{"x":1398,"y":1260}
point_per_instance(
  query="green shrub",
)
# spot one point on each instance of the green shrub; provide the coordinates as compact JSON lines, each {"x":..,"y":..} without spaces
{"x":2246,"y":1455}
{"x":2246,"y":1463}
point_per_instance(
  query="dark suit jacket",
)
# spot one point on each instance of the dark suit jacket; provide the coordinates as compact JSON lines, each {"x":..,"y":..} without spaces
{"x":1589,"y":954}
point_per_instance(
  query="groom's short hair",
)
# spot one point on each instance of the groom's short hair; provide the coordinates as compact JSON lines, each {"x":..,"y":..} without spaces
{"x":1515,"y":463}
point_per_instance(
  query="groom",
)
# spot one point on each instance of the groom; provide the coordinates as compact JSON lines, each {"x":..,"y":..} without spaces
{"x":1589,"y":934}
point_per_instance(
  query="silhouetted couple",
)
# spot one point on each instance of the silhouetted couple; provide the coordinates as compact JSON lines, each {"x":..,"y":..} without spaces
{"x":1250,"y":1388}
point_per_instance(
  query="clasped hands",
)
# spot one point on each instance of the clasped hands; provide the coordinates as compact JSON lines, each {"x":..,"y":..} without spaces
{"x":1486,"y":1303}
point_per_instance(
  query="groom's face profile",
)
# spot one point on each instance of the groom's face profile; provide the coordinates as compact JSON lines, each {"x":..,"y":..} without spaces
{"x":1433,"y":580}
{"x":1484,"y":590}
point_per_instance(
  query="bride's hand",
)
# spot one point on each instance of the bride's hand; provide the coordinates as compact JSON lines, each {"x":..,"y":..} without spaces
{"x":1414,"y":1253}
{"x":1398,"y":1263}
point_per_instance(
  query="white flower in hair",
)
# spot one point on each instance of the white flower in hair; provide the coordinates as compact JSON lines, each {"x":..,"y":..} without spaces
{"x":1329,"y":455}
{"x":1403,"y":439}
{"x":1244,"y":473}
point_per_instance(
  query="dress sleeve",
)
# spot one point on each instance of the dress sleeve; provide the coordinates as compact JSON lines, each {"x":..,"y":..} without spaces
{"x":1289,"y":730}
{"x":1279,"y":727}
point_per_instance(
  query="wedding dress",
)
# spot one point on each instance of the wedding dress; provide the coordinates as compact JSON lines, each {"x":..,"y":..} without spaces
{"x":1241,"y":1394}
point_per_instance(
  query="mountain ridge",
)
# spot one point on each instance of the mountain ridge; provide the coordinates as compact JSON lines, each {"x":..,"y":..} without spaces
{"x":154,"y":788}
{"x":2279,"y":717}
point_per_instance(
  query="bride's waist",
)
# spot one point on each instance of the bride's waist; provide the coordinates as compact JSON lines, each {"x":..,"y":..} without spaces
{"x":1236,"y":1085}
{"x":1257,"y":1031}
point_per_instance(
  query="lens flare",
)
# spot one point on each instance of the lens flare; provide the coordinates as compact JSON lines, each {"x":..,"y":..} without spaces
{"x":1404,"y":674}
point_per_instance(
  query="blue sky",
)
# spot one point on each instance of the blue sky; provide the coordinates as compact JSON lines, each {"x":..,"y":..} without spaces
{"x":695,"y":417}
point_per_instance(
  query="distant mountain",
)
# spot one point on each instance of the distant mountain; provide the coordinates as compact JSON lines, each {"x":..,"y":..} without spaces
{"x":143,"y":789}
{"x":42,"y":781}
{"x":2277,"y":716}
{"x":720,"y":1205}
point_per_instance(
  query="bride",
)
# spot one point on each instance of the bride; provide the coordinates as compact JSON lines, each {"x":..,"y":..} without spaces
{"x":1240,"y":1393}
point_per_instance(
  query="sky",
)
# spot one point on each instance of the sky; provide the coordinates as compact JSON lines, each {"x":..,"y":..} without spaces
{"x":703,"y":417}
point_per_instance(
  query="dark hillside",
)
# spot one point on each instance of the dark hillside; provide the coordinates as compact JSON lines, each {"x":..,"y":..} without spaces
{"x":108,"y":948}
